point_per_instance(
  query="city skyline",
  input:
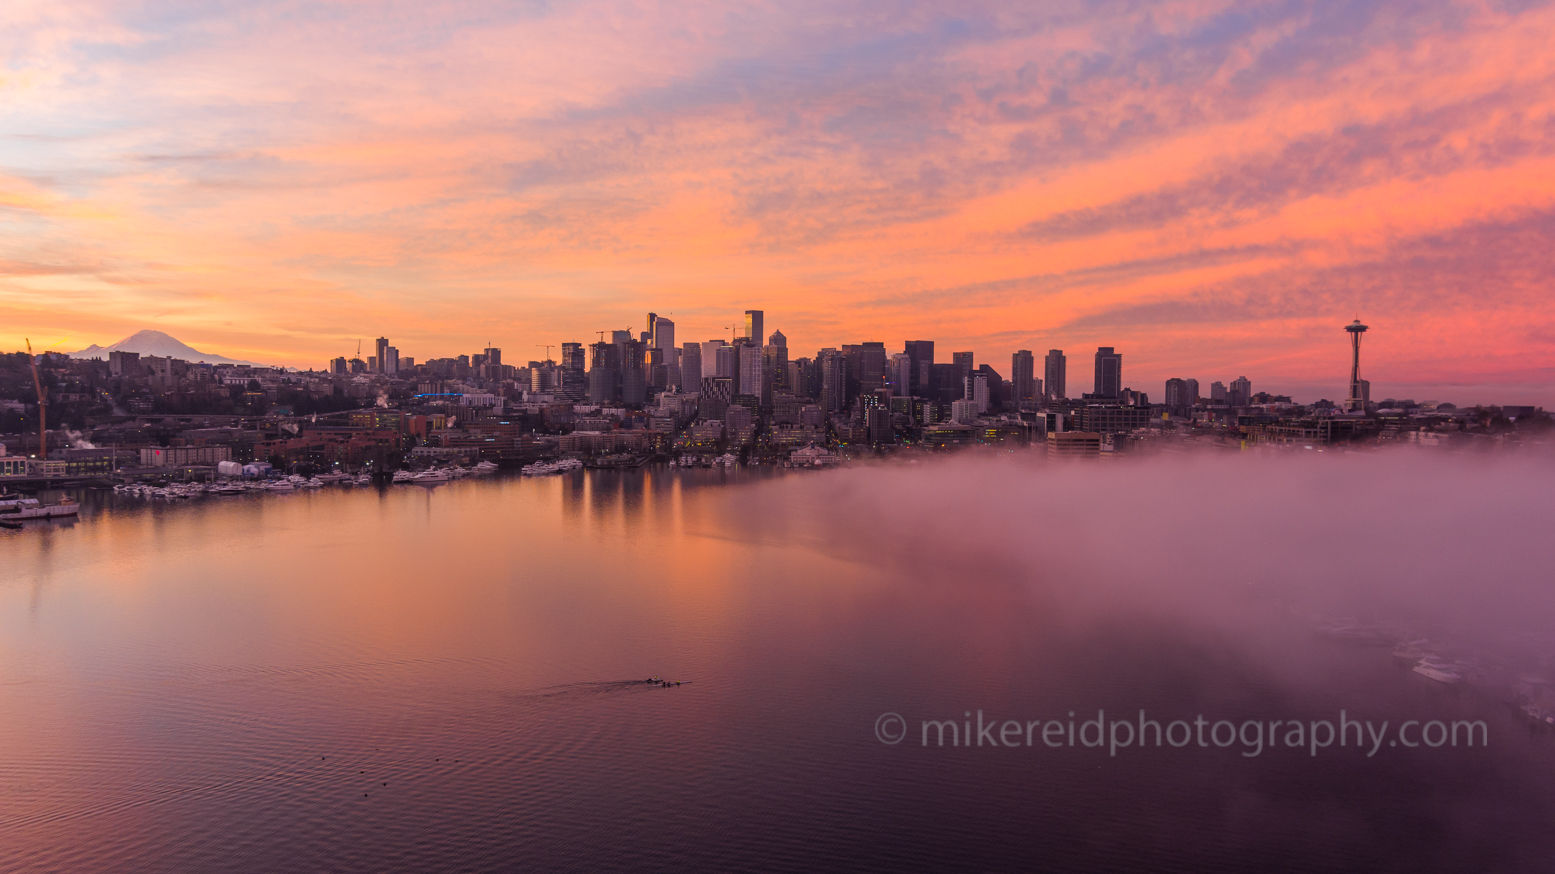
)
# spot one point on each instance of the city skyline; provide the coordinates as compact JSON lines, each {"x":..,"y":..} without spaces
{"x":1210,"y":189}
{"x":661,"y":331}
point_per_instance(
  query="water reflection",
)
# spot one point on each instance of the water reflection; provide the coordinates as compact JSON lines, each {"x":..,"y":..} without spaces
{"x":405,"y":678}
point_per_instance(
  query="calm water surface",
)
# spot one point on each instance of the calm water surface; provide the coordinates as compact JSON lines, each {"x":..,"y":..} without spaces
{"x":442,"y":679}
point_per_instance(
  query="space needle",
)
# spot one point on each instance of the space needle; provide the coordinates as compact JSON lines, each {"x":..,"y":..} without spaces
{"x":1360,"y":391}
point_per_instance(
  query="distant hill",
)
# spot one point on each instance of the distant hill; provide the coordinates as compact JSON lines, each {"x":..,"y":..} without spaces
{"x":158,"y":344}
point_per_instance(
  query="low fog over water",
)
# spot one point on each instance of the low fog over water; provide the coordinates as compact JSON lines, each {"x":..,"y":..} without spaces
{"x":451,"y":678}
{"x":1461,"y":546}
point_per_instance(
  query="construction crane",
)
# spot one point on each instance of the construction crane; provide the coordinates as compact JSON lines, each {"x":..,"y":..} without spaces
{"x":548,"y":347}
{"x":601,"y":336}
{"x":43,"y":402}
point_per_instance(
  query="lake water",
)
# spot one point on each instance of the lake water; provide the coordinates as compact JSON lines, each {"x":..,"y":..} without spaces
{"x":448,"y":679}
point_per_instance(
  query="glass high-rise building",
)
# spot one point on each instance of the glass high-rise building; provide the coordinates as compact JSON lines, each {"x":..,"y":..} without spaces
{"x":1023,"y":377}
{"x":1054,"y":372}
{"x":1109,"y":373}
{"x":922,"y":354}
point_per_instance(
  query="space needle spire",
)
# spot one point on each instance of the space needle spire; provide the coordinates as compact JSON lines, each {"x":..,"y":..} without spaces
{"x":1360,"y":389}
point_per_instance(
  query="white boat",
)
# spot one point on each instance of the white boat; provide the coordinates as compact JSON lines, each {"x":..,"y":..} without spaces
{"x":1438,"y":670}
{"x":403,"y":476}
{"x":330,"y":477}
{"x":485,"y":467}
{"x":31,"y":509}
{"x":430,"y":476}
{"x":281,"y":486}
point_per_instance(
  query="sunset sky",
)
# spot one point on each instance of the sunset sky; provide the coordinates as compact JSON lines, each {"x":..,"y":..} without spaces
{"x":1214,"y":188}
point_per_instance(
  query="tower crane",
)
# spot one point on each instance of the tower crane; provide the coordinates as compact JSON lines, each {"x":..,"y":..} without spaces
{"x":43,"y":402}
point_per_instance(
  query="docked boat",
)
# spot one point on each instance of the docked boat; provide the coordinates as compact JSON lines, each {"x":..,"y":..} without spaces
{"x":403,"y":476}
{"x":431,"y":476}
{"x":281,"y":486}
{"x":485,"y":467}
{"x":29,"y":508}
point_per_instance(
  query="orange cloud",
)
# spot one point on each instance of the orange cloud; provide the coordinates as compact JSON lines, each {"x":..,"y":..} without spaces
{"x":1211,"y":187}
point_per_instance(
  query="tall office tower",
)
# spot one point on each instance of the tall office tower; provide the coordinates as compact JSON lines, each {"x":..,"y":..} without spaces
{"x":691,"y":366}
{"x":753,"y":326}
{"x":751,"y":380}
{"x":871,"y":367}
{"x":634,"y":379}
{"x":390,"y":362}
{"x":1177,"y":395}
{"x":1109,"y":373}
{"x":493,"y":356}
{"x":663,"y":336}
{"x":710,"y":357}
{"x":1217,"y":392}
{"x":834,"y":380}
{"x":802,"y":378}
{"x":1023,"y":377}
{"x":620,"y":339}
{"x":1054,"y":370}
{"x":1241,"y":393}
{"x":979,"y":392}
{"x":899,"y":374}
{"x":604,"y":373}
{"x":1192,"y":390}
{"x":572,"y":356}
{"x":964,"y":366}
{"x":777,"y":339}
{"x":774,"y":372}
{"x":658,"y":372}
{"x":543,"y":377}
{"x":573,"y":384}
{"x":723,"y":361}
{"x":1360,"y":389}
{"x":379,"y":345}
{"x":922,"y":354}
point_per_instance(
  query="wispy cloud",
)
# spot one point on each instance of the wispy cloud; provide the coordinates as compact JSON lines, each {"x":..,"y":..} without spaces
{"x":1181,"y":177}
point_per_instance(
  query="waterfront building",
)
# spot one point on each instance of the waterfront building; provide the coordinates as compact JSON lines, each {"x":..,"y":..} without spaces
{"x":1240,"y":393}
{"x":1073,"y":444}
{"x":1177,"y":399}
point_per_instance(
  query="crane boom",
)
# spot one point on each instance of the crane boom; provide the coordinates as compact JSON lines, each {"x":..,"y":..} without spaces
{"x":43,"y":401}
